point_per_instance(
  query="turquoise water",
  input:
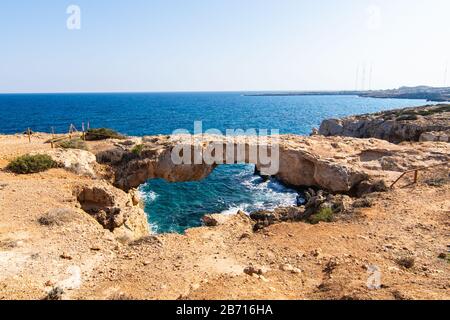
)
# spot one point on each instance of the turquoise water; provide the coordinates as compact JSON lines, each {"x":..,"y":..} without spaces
{"x":173,"y":207}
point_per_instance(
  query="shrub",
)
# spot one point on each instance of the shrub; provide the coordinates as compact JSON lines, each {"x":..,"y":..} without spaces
{"x":55,"y":293}
{"x":137,"y":149}
{"x":121,"y":296}
{"x":57,"y":217}
{"x":439,"y":109}
{"x":362,"y":203}
{"x":323,"y":215}
{"x":32,"y":164}
{"x":102,"y":134}
{"x":406,"y":261}
{"x":436,"y":182}
{"x":380,"y":186}
{"x":407,"y":117}
{"x":445,"y":256}
{"x":72,"y":144}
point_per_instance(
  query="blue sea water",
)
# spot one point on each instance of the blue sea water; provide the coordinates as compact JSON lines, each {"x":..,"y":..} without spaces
{"x":173,"y":207}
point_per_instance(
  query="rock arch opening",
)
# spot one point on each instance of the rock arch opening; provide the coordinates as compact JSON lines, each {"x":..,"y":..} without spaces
{"x":177,"y":206}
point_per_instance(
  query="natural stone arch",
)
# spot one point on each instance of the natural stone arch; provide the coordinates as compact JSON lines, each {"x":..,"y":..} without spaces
{"x":336,"y":164}
{"x":300,"y":162}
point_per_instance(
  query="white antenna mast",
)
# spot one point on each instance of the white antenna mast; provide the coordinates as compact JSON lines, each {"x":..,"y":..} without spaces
{"x":357,"y":78}
{"x":445,"y":74}
{"x":370,"y":77}
{"x":363,"y":81}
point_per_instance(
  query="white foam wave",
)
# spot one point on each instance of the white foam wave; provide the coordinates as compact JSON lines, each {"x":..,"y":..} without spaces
{"x":234,"y":210}
{"x":154,"y":228}
{"x":276,"y":186}
{"x":148,"y":196}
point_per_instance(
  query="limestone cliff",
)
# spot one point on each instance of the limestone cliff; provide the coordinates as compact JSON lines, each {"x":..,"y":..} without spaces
{"x":427,"y":123}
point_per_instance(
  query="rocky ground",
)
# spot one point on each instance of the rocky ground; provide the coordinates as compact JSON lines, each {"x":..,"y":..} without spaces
{"x":53,"y":239}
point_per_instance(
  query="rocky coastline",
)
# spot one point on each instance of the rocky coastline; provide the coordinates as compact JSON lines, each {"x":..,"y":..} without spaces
{"x":431,"y":94}
{"x":427,"y":123}
{"x":79,"y":231}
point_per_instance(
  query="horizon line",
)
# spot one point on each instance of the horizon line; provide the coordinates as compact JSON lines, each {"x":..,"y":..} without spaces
{"x":176,"y":91}
{"x":200,"y":91}
{"x":211,"y":91}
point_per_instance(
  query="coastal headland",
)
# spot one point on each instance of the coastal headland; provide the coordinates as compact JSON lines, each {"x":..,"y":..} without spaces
{"x":420,"y":92}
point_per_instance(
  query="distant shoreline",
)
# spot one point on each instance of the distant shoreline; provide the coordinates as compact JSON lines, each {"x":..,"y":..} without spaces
{"x":431,"y":94}
{"x":420,"y":93}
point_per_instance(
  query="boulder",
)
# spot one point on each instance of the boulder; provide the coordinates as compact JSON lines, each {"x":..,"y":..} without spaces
{"x":81,"y":162}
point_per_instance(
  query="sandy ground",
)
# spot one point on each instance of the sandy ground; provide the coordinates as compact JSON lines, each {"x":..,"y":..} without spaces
{"x":296,"y":260}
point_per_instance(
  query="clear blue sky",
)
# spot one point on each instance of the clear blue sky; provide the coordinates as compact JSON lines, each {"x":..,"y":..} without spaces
{"x":209,"y":45}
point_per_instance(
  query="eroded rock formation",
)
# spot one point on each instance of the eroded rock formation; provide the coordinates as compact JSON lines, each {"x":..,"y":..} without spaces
{"x":337,"y":164}
{"x":410,"y":124}
{"x":114,"y":209}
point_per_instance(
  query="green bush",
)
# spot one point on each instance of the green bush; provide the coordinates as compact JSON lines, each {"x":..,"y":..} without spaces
{"x":407,"y":117}
{"x":32,"y":164}
{"x":72,"y":144}
{"x":323,"y":215}
{"x":137,"y":149}
{"x":102,"y":134}
{"x":438,"y":109}
{"x":436,"y":182}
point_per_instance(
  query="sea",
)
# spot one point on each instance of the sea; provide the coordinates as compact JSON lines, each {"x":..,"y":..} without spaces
{"x":174,"y":207}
